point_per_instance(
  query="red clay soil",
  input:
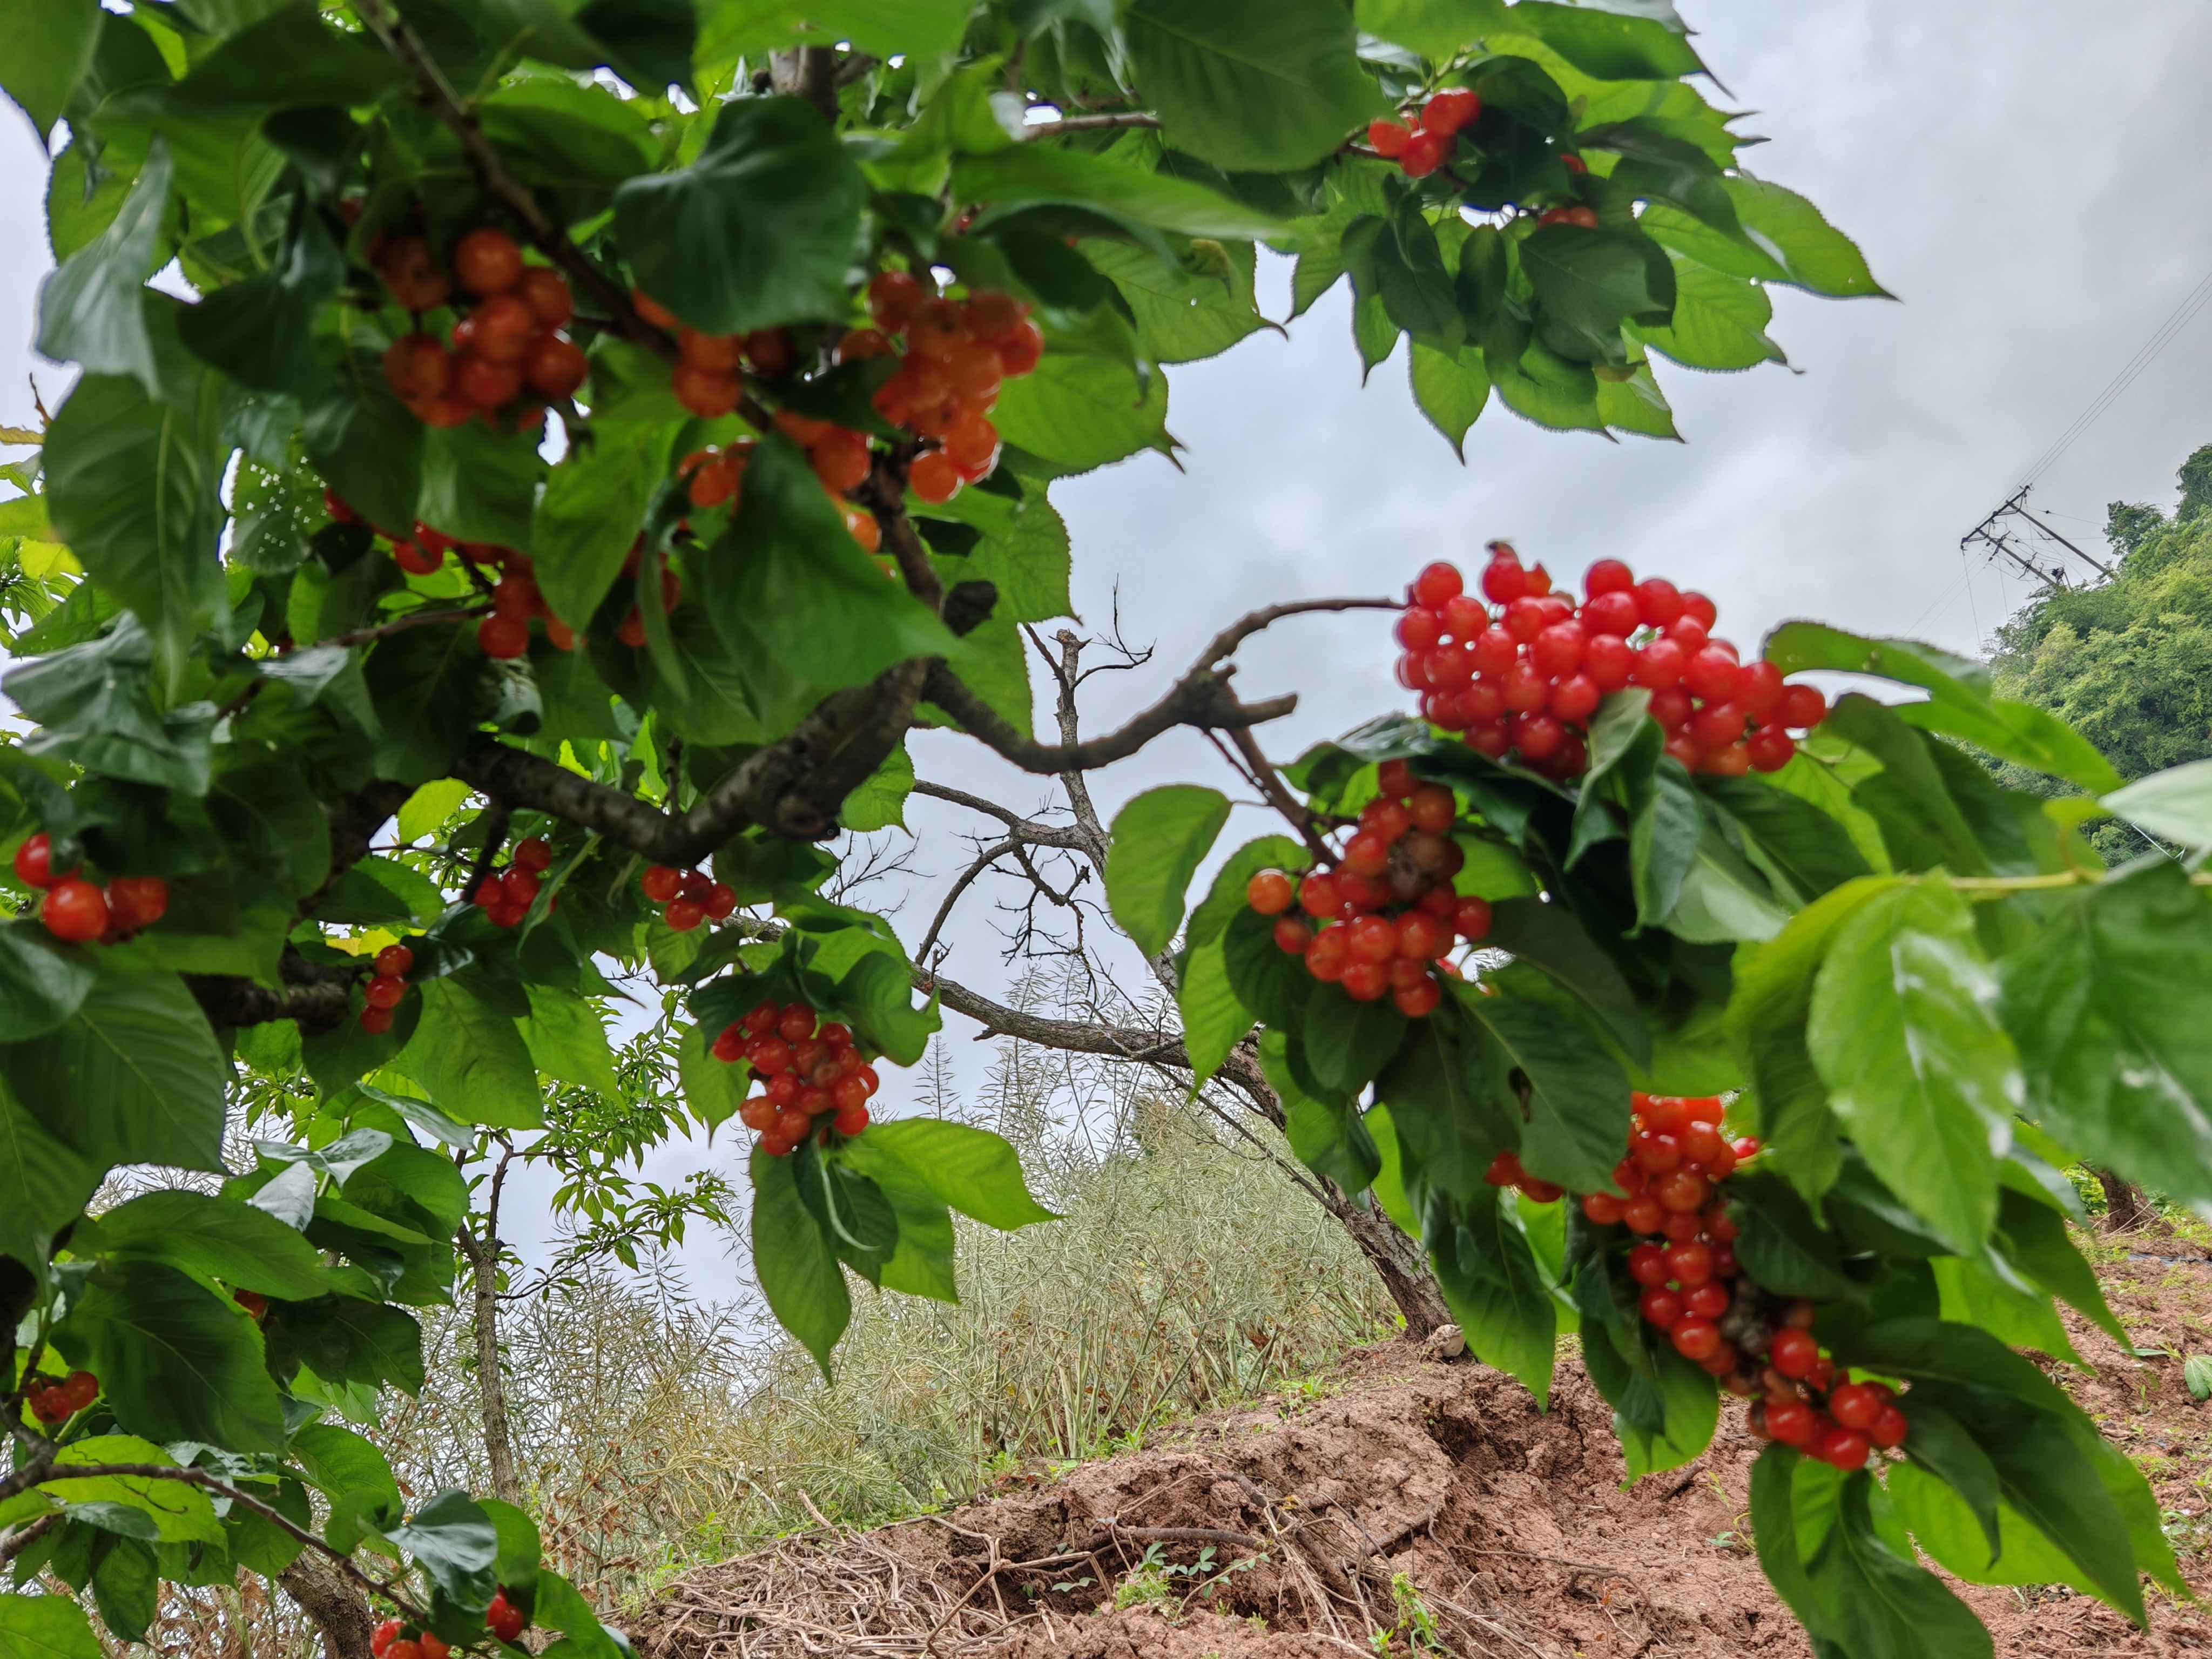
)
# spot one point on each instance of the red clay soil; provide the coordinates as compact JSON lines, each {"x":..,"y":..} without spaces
{"x":1510,"y":1525}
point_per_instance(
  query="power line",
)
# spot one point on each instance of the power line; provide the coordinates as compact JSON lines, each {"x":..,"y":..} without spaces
{"x":2159,"y":339}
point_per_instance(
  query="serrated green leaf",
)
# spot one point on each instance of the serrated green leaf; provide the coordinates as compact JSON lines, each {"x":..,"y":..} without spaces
{"x":175,"y":1361}
{"x":1158,"y":842}
{"x":1251,"y":85}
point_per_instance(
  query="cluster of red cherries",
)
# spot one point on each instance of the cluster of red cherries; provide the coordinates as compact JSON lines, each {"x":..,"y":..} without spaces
{"x":79,"y":912}
{"x":506,"y":895}
{"x":509,"y":340}
{"x":1381,"y":918}
{"x":687,"y":897}
{"x":1761,"y":1347}
{"x":515,"y":600}
{"x":396,"y":1639}
{"x":808,"y":1071}
{"x":386,"y":989}
{"x":1526,"y":677}
{"x":1423,"y":145}
{"x":56,"y":1402}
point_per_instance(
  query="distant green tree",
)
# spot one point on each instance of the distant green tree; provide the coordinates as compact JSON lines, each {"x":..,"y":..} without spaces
{"x":2129,"y":664}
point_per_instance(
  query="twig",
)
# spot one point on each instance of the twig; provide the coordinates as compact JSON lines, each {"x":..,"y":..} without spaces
{"x":1088,"y":124}
{"x":1279,"y":797}
{"x":400,"y":624}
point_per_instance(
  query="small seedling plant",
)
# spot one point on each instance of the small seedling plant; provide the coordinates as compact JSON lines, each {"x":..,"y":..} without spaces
{"x":582,"y":447}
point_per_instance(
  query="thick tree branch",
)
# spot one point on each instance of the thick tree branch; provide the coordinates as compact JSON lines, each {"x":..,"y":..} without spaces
{"x":317,"y":996}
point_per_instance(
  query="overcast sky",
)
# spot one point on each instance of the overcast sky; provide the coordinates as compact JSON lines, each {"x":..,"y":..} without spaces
{"x":2016,"y":175}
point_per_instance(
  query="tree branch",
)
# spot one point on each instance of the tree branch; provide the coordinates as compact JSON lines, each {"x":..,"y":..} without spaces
{"x":318,"y":997}
{"x":1088,"y":124}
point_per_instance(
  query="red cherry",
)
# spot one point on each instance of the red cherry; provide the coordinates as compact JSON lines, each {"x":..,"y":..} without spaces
{"x":798,"y":1023}
{"x":546,"y":291}
{"x":1418,"y":1000}
{"x":1661,"y":1306}
{"x":1647,"y":1263}
{"x":1688,"y":633}
{"x":1494,"y":650}
{"x":1558,"y":650}
{"x":383,"y":1637}
{"x":503,"y":1619}
{"x":683,"y":915}
{"x":418,"y":366}
{"x":1658,"y":1152}
{"x":1759,"y":689}
{"x":1388,"y":137}
{"x":1421,"y":937}
{"x":1659,"y":600}
{"x":136,"y":902}
{"x":487,"y":261}
{"x":1575,"y":698}
{"x":385,"y":991}
{"x":1448,"y":666}
{"x":1801,"y":706}
{"x":707,"y":393}
{"x":1431,"y":809}
{"x":1795,"y":1353}
{"x":1689,"y":1262}
{"x":1453,"y":110}
{"x":1659,"y":665}
{"x":1318,"y":896}
{"x":1018,"y":352}
{"x":74,"y":910}
{"x":1538,"y":736}
{"x":1770,"y":749}
{"x":1845,"y":1448}
{"x":1680,"y":1226}
{"x":411,"y":271}
{"x":1367,"y":853}
{"x":1672,"y":709}
{"x":1612,"y":614}
{"x":1438,"y":583}
{"x":1504,"y":580}
{"x":1708,"y":1300}
{"x":35,"y":861}
{"x":851,"y":1120}
{"x":1607,"y":576}
{"x":1682,"y":1191}
{"x":1716,"y":724}
{"x":1371,"y":938}
{"x":1471,"y":920}
{"x":1325,"y":956}
{"x":1630,"y":1177}
{"x":1888,"y":1428}
{"x":1854,"y":1405}
{"x":1397,"y":780}
{"x":1364,"y":981}
{"x":555,"y":366}
{"x":892,"y":297}
{"x":1694,"y":1338}
{"x":1731,"y":761}
{"x":1711,"y":673}
{"x":396,"y":960}
{"x":504,"y":637}
{"x":661,"y":884}
{"x":1643,"y":1214}
{"x":1424,"y":154}
{"x":1698,"y":606}
{"x":1504,"y":1169}
{"x":1603,"y":1209}
{"x":1419,"y":628}
{"x":1291,"y":935}
{"x":1792,"y":1422}
{"x":482,"y":384}
{"x":376,"y":1021}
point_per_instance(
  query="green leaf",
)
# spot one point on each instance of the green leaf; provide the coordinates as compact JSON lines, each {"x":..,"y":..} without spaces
{"x":1075,"y":413}
{"x":337,"y":1461}
{"x":552,"y":131}
{"x":366,"y":443}
{"x":921,"y":1262}
{"x":40,"y":984}
{"x":44,"y":1183}
{"x":1720,"y":322}
{"x":260,"y":332}
{"x":94,"y":705}
{"x":1489,"y":1278}
{"x":1347,"y":1043}
{"x":1548,"y":937}
{"x":471,"y":1061}
{"x":2112,"y":1011}
{"x":1328,"y":1136}
{"x":456,"y":1546}
{"x":1023,"y":176}
{"x":363,"y":1344}
{"x":2035,"y":1241}
{"x":1248,"y":85}
{"x":429,"y":807}
{"x":789,"y":557}
{"x":133,"y":1075}
{"x":877,"y":994}
{"x":1613,"y":42}
{"x":711,"y":1089}
{"x":794,"y":1262}
{"x":592,"y":508}
{"x":321,"y":65}
{"x":2197,"y":1372}
{"x":273,"y":822}
{"x":1813,"y":253}
{"x":130,"y":484}
{"x":479,"y":485}
{"x":1903,"y":1029}
{"x":50,"y":46}
{"x":1803,"y":850}
{"x":1590,"y":282}
{"x":568,"y":1041}
{"x":1451,"y":391}
{"x":1723,"y":898}
{"x":125,"y":1584}
{"x":91,"y":311}
{"x":1665,"y":826}
{"x":46,"y":1627}
{"x":1941,"y":1446}
{"x":520,"y":1544}
{"x":1572,"y":1095}
{"x":2176,"y":804}
{"x":175,"y":1361}
{"x":245,"y":1248}
{"x":1180,"y":318}
{"x":972,"y":1171}
{"x":1448,"y":1123}
{"x":1158,"y":842}
{"x":759,"y":231}
{"x":1958,"y":703}
{"x":1973,"y":1293}
{"x":180,"y":1513}
{"x":1883,"y":1599}
{"x":880,"y":801}
{"x":1781,"y":1244}
{"x":426,"y":682}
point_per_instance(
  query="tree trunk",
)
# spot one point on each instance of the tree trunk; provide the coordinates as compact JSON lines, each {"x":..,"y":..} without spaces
{"x":2126,"y":1208}
{"x":808,"y":72}
{"x":339,"y":1611}
{"x":1399,"y":1262}
{"x":491,"y":1386}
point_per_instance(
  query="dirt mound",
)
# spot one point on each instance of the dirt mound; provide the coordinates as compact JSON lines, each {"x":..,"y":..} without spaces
{"x":1414,"y":1490}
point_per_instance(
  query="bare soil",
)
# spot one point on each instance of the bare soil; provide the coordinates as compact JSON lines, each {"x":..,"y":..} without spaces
{"x":1511,"y":1526}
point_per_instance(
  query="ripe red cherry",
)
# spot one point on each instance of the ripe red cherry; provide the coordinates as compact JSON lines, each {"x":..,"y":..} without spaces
{"x":1643,"y":1214}
{"x":504,"y":637}
{"x":1471,"y":920}
{"x":74,"y":910}
{"x":1448,"y":666}
{"x":798,"y":1024}
{"x":418,"y":366}
{"x":1421,"y":937}
{"x":503,"y":1619}
{"x":1792,"y":1422}
{"x":1730,"y":761}
{"x":1538,"y":736}
{"x":1888,"y":1428}
{"x":136,"y":902}
{"x":1438,"y":583}
{"x":892,"y":297}
{"x":683,"y":915}
{"x":1694,"y":1338}
{"x":1657,"y":1152}
{"x":384,"y":1636}
{"x":385,"y":991}
{"x":1845,"y":1448}
{"x":1607,"y":576}
{"x":554,"y":367}
{"x":1367,"y":853}
{"x":1019,"y":351}
{"x":411,"y":271}
{"x":1389,"y":138}
{"x":1659,"y":665}
{"x":482,"y":384}
{"x":1419,"y":628}
{"x":35,"y":861}
{"x":1397,"y":780}
{"x":1659,"y":600}
{"x":1431,"y":809}
{"x":1269,"y":892}
{"x":1707,"y":1301}
{"x":1716,"y":724}
{"x":1371,"y":938}
{"x":1688,"y":633}
{"x":1854,"y":1405}
{"x":376,"y":1021}
{"x":1418,"y":1000}
{"x":1451,"y":110}
{"x":1504,"y":1169}
{"x":1661,"y":1306}
{"x":1680,"y":1226}
{"x":1364,"y":981}
{"x":1759,"y":688}
{"x":533,"y":854}
{"x":1465,"y":616}
{"x":1602,"y":1208}
{"x":1613,"y":613}
{"x":851,"y":1120}
{"x":1558,"y":650}
{"x":1318,"y":896}
{"x":397,"y":960}
{"x":1682,"y":1191}
{"x":1504,"y":580}
{"x":1801,"y":706}
{"x":1291,"y":935}
{"x":1689,"y":1263}
{"x":1575,"y":698}
{"x":1795,"y":1353}
{"x":1698,"y":606}
{"x":1424,"y":154}
{"x":1770,"y":749}
{"x":1666,"y":1115}
{"x":1631,"y":1176}
{"x":486,"y":261}
{"x":1387,"y":817}
{"x":1325,"y":956}
{"x":1672,"y":709}
{"x":1711,"y":673}
{"x":1647,"y":1264}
